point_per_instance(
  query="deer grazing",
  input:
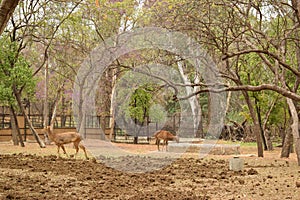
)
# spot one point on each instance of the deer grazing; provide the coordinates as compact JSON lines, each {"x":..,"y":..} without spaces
{"x":65,"y":138}
{"x":165,"y":136}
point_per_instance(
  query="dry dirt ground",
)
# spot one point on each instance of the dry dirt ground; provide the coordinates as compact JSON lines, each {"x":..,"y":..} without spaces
{"x":35,"y":173}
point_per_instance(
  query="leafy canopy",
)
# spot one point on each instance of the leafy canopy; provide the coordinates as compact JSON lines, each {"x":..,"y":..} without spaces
{"x":14,"y":72}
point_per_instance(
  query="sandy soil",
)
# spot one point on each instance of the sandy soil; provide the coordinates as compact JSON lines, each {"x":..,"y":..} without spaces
{"x":35,"y":173}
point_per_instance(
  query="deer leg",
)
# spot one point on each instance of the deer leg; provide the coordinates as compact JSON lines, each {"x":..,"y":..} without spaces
{"x":76,"y":144}
{"x":63,"y":148}
{"x":83,"y":148}
{"x":76,"y":147}
{"x":58,"y":146}
{"x":163,"y":145}
{"x":157,"y":142}
{"x":166,"y":145}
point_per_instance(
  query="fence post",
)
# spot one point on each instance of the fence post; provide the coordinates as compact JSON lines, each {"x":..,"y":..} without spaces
{"x":114,"y":131}
{"x":174,"y":122}
{"x":84,"y":128}
{"x":25,"y":131}
{"x":148,"y":131}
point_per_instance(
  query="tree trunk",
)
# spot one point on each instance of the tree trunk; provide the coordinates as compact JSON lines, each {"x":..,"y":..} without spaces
{"x":282,"y":135}
{"x":295,"y":127}
{"x":57,"y":99}
{"x":193,"y":102}
{"x":111,"y":107}
{"x":267,"y":131}
{"x":260,"y":123}
{"x":257,"y":131}
{"x":7,"y":7}
{"x":14,"y":121}
{"x":260,"y":151}
{"x":267,"y":134}
{"x":228,"y":99}
{"x":14,"y":127}
{"x":287,"y":145}
{"x":35,"y":134}
{"x":296,"y":6}
{"x":45,"y":110}
{"x":297,"y":149}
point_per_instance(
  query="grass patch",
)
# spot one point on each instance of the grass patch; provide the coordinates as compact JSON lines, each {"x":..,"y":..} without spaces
{"x":243,"y":144}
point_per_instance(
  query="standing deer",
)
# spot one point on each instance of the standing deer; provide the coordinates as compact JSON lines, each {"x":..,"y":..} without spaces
{"x":165,"y":136}
{"x":65,"y":138}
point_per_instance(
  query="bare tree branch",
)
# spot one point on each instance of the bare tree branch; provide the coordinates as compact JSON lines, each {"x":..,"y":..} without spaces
{"x":260,"y":51}
{"x":52,"y":37}
{"x":271,"y":87}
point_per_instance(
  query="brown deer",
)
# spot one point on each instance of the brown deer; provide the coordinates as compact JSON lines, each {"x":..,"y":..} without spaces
{"x":65,"y":138}
{"x":165,"y":136}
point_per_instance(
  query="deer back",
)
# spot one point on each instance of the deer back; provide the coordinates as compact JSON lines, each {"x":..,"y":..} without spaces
{"x":67,"y":137}
{"x":63,"y":138}
{"x":165,"y":135}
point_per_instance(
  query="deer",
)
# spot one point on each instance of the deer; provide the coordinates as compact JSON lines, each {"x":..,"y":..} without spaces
{"x":65,"y":138}
{"x":165,"y":136}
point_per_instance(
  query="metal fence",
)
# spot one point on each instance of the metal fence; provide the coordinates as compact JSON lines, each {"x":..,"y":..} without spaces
{"x":101,"y":126}
{"x":5,"y":121}
{"x":66,"y":121}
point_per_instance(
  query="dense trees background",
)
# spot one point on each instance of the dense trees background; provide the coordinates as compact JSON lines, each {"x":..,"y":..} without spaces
{"x":255,"y":44}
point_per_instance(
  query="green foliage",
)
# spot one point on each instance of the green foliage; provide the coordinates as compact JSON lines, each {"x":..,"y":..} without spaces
{"x":157,"y":113}
{"x":172,"y":106}
{"x":238,"y":116}
{"x":14,"y":72}
{"x":143,"y":104}
{"x":219,"y":27}
{"x":280,"y":109}
{"x":140,"y":104}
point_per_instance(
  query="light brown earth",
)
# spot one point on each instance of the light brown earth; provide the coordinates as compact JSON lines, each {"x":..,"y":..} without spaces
{"x":35,"y":173}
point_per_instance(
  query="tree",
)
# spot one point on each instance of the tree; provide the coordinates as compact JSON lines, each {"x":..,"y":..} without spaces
{"x":231,"y":31}
{"x":16,"y":77}
{"x":24,"y":30}
{"x":7,"y":8}
{"x":274,"y":48}
{"x":193,"y":100}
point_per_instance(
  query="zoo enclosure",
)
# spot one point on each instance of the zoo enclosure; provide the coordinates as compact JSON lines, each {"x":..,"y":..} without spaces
{"x":94,"y":127}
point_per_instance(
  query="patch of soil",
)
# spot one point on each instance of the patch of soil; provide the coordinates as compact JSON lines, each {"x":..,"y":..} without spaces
{"x":26,"y":176}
